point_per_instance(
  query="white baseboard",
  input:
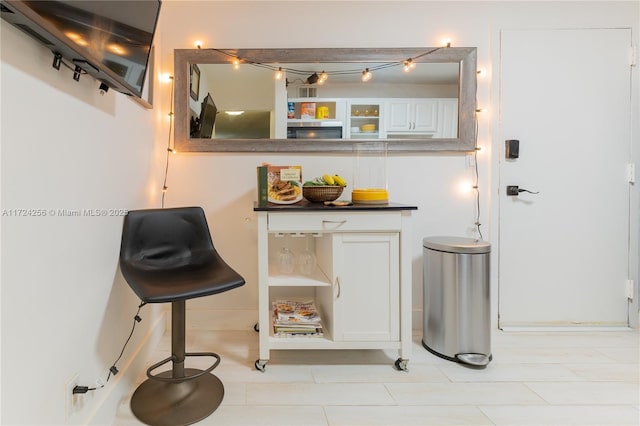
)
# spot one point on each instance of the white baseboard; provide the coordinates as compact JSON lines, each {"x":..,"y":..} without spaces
{"x":245,"y":319}
{"x":219,"y":319}
{"x":559,"y":328}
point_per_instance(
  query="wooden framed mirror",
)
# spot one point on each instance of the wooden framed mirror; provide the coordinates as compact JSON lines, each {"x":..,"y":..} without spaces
{"x":242,"y":85}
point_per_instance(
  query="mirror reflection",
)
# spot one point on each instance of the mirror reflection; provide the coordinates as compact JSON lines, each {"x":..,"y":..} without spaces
{"x":309,"y":105}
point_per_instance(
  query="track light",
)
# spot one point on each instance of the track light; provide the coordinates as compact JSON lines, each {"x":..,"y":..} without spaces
{"x":313,"y":78}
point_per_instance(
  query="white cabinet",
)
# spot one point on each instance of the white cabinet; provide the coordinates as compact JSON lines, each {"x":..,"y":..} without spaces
{"x":361,"y":284}
{"x":447,"y":118}
{"x":436,"y":117}
{"x":364,"y":120}
{"x":415,"y":116}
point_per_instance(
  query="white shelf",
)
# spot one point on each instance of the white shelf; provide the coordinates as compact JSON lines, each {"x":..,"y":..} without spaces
{"x":317,"y":279}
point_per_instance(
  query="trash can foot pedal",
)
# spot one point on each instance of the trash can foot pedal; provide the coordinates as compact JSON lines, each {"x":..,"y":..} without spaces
{"x":476,"y":360}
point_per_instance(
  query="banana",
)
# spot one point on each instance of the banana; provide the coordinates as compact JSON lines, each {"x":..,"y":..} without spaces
{"x":339,"y":181}
{"x":328,"y":179}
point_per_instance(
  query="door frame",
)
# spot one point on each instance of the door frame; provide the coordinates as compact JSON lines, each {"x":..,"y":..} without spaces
{"x":497,"y":155}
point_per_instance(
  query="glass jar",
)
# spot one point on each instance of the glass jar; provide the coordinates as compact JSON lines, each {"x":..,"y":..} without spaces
{"x":370,"y":173}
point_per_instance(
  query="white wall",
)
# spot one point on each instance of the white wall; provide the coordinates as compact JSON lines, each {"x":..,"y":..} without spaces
{"x":65,"y":308}
{"x":224,"y":183}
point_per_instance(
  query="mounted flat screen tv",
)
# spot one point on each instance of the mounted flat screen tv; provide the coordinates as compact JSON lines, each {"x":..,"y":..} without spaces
{"x":208,"y":112}
{"x":109,"y":40}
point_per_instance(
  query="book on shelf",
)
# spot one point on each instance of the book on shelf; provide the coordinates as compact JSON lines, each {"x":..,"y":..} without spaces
{"x":296,"y":318}
{"x":307,"y":110}
{"x":263,"y":188}
{"x":284,"y":184}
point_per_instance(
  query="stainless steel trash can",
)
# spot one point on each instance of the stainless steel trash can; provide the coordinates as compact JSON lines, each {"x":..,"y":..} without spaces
{"x":456,"y":306}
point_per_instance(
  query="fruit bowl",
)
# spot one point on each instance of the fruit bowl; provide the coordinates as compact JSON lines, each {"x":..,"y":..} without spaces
{"x":321,"y":193}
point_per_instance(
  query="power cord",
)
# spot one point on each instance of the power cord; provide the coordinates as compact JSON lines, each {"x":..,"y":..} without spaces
{"x":113,"y":370}
{"x":169,"y":149}
{"x":476,"y":185}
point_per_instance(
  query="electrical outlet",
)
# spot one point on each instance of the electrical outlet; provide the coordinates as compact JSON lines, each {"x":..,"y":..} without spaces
{"x":471,"y":160}
{"x":70,"y":399}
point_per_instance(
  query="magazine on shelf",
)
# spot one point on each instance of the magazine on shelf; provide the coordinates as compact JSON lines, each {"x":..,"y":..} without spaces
{"x":296,"y":318}
{"x":315,"y":332}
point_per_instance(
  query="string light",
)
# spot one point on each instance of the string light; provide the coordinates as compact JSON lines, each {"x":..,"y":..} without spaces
{"x":165,"y":77}
{"x":170,"y":149}
{"x":476,"y":185}
{"x":198,"y":44}
{"x":366,"y":75}
{"x":312,"y":77}
{"x":409,"y":65}
{"x":279,"y":74}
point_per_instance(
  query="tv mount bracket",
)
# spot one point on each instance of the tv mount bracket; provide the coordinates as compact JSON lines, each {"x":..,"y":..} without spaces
{"x":57,"y":60}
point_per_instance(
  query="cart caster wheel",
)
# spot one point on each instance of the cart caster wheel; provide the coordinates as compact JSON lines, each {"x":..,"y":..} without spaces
{"x":256,"y":327}
{"x":261,"y":364}
{"x":401,"y":364}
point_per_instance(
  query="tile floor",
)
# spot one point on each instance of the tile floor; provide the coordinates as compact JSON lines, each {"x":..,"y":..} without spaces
{"x":535,"y":378}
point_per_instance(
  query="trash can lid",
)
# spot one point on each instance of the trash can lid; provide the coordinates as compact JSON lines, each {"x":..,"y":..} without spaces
{"x":456,"y":244}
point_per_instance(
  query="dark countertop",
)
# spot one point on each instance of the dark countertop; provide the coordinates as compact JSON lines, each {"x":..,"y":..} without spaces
{"x":305,"y":205}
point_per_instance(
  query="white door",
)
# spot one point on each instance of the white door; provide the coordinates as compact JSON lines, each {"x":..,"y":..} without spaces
{"x":563,"y":253}
{"x":367,"y":292}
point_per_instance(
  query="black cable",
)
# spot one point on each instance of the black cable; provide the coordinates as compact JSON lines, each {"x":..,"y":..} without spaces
{"x":113,"y":370}
{"x":169,"y":150}
{"x":477,"y":188}
{"x":329,"y":73}
{"x":136,"y":319}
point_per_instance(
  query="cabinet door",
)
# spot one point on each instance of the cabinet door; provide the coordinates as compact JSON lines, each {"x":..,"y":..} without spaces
{"x":366,"y":287}
{"x":399,"y":117}
{"x":425,"y":116}
{"x":412,"y":116}
{"x":447,"y":118}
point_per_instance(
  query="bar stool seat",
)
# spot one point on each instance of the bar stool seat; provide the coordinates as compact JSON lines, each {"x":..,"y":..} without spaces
{"x":168,"y":256}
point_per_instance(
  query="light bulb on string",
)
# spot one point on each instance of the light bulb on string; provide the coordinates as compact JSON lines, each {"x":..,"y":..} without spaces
{"x":409,"y":65}
{"x":236,"y":63}
{"x":366,"y":75}
{"x":165,"y":77}
{"x":278,"y":74}
{"x":323,"y":77}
